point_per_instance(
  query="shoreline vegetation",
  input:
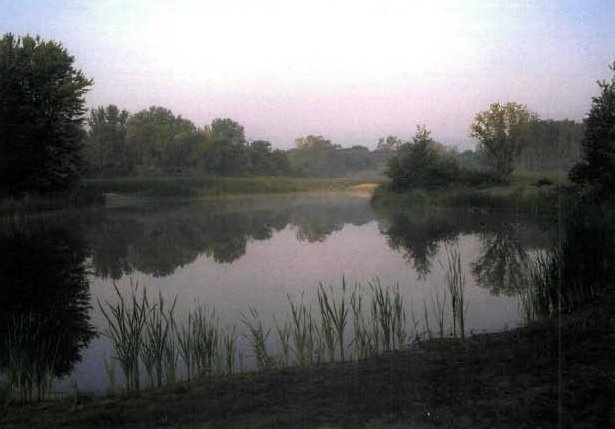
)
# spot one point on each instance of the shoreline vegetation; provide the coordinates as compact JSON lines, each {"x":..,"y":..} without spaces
{"x":526,"y":191}
{"x":551,"y":371}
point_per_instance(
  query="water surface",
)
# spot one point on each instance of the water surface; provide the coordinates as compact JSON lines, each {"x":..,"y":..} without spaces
{"x":252,"y":252}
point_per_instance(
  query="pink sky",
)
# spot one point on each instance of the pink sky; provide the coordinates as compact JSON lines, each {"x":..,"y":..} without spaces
{"x":349,"y":70}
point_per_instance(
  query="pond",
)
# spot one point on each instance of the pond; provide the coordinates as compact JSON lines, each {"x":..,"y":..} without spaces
{"x":251,"y":253}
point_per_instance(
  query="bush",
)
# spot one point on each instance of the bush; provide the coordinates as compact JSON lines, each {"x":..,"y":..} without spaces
{"x":421,"y":163}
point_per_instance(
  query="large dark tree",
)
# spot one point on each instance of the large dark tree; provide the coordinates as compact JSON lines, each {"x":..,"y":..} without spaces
{"x":41,"y":116}
{"x":598,"y":146}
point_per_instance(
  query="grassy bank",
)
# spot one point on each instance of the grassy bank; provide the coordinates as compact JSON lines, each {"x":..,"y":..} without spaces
{"x":197,"y":186}
{"x":525,"y":191}
{"x":82,"y":196}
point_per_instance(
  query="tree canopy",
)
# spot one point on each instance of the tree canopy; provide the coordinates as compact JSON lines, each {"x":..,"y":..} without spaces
{"x":501,"y":134}
{"x":41,"y":112}
{"x":597,"y":166}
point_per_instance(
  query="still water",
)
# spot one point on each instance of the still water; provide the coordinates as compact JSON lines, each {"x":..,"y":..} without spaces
{"x":233,"y":255}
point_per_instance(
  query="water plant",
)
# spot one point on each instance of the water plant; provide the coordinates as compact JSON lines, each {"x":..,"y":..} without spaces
{"x":302,"y":332}
{"x":455,"y":282}
{"x":334,"y":316}
{"x":229,"y":342}
{"x":283,"y":331}
{"x":205,"y":338}
{"x":258,"y":339}
{"x":126,"y":324}
{"x":31,"y":357}
{"x":438,"y":307}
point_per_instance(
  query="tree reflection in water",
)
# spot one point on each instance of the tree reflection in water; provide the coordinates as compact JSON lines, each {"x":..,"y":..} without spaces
{"x":44,"y":298}
{"x":160,"y":240}
{"x":502,"y":265}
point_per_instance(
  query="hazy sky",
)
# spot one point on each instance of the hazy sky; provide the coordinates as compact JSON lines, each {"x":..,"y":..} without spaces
{"x":348,"y":70}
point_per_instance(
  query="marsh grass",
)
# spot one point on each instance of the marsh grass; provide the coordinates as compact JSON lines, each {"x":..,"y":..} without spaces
{"x":205,"y":341}
{"x":302,"y":332}
{"x":438,"y":307}
{"x":334,"y":317}
{"x":455,"y":282}
{"x":283,"y":333}
{"x":375,"y":318}
{"x":126,"y":321}
{"x":388,"y":318}
{"x":258,"y":335}
{"x":31,"y":357}
{"x":577,"y":267}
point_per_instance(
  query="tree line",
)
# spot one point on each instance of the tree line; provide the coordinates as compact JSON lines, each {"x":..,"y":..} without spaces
{"x":155,"y":141}
{"x":48,"y":141}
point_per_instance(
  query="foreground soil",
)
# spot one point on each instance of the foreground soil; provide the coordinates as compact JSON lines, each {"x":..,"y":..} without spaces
{"x":556,"y":373}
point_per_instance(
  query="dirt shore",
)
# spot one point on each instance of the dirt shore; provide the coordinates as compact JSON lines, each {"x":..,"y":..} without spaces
{"x":555,"y":373}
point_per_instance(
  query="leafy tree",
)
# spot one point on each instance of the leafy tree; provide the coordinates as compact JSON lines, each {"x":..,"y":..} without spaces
{"x":598,"y":146}
{"x":264,"y":161}
{"x":155,"y":136}
{"x":501,"y":133}
{"x":389,"y":143}
{"x":41,"y":112}
{"x":224,"y":151}
{"x":105,"y":145}
{"x":421,"y":163}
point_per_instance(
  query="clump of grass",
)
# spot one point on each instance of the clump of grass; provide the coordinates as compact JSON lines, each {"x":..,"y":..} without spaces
{"x":32,"y":357}
{"x":185,"y":343}
{"x":283,"y":332}
{"x":126,"y":323}
{"x":455,"y":281}
{"x":302,"y":332}
{"x":361,"y":341}
{"x":205,"y":338}
{"x":258,"y":339}
{"x":438,"y":307}
{"x":229,"y":343}
{"x":388,"y":317}
{"x":334,"y":316}
{"x":158,"y":334}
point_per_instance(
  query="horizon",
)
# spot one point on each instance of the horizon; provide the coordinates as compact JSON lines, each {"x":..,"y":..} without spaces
{"x":349,"y":71}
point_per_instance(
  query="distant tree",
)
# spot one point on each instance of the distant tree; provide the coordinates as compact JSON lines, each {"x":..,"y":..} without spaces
{"x":598,"y":146}
{"x":265,"y":161}
{"x":41,"y":116}
{"x":105,"y":145}
{"x":313,"y":143}
{"x":389,"y":143}
{"x":501,"y":133}
{"x":224,"y":151}
{"x":154,"y":136}
{"x":421,"y":162}
{"x":551,"y":145}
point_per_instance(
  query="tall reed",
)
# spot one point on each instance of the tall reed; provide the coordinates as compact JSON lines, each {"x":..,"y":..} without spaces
{"x":125,"y":326}
{"x":438,"y":307}
{"x":302,"y":332}
{"x":158,"y":332}
{"x":229,"y":343}
{"x":205,"y":339}
{"x":455,"y":281}
{"x":32,"y":357}
{"x":258,"y":339}
{"x":334,"y":316}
